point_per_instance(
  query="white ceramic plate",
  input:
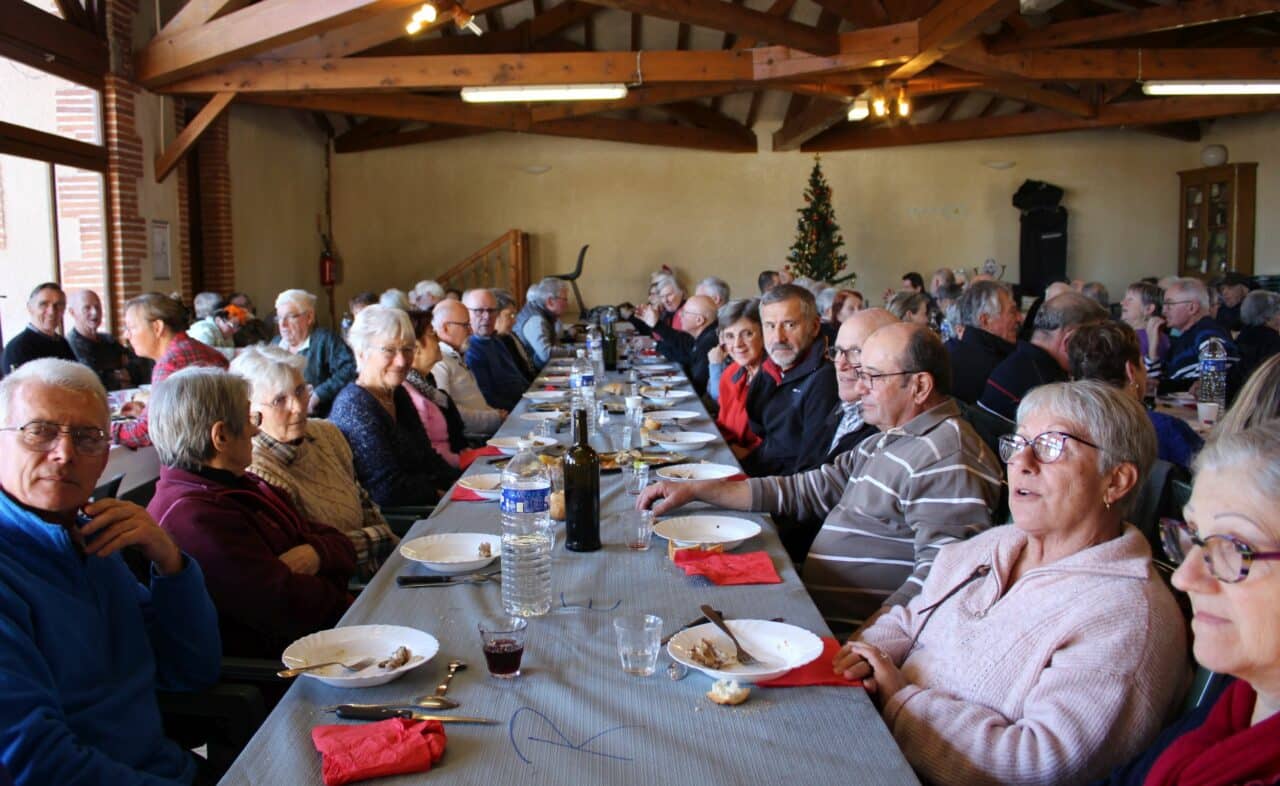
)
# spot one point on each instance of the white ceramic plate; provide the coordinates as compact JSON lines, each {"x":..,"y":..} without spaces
{"x":668,"y":396}
{"x":666,"y":379}
{"x":540,"y":416}
{"x":706,"y":530}
{"x":682,"y":440}
{"x":546,"y":395}
{"x":511,"y":445}
{"x":673,"y":415}
{"x":777,"y":646}
{"x":555,"y":379}
{"x":697,"y":472}
{"x":355,"y":642}
{"x":649,"y":369}
{"x":452,"y":552}
{"x":488,"y":485}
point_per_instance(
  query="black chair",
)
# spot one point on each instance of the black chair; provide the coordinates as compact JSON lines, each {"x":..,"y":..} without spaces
{"x":402,"y":517}
{"x":1158,"y":498}
{"x":573,"y":277}
{"x":990,"y":428}
{"x":109,"y":489}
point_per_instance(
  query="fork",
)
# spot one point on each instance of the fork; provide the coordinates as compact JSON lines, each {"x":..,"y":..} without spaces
{"x":744,"y":657}
{"x":359,"y":665}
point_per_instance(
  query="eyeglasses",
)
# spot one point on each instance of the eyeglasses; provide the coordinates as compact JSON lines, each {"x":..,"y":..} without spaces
{"x":1227,"y":557}
{"x":42,"y":436}
{"x":852,"y":355}
{"x":870,"y":379}
{"x":1168,"y":303}
{"x":300,"y":394}
{"x":406,"y":351}
{"x":463,"y":325}
{"x":484,"y":310}
{"x":1046,"y":447}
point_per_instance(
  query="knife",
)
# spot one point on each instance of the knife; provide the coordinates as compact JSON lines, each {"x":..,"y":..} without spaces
{"x":419,"y":581}
{"x":349,"y":712}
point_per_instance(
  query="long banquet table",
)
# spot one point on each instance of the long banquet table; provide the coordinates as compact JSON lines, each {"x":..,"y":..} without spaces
{"x":574,"y":717}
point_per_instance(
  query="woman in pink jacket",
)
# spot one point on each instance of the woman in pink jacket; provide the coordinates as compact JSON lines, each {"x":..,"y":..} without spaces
{"x":1047,"y":651}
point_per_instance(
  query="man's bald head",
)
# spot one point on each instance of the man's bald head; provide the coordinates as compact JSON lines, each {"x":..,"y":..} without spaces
{"x":853,"y":334}
{"x":85,"y":308}
{"x":452,"y":322}
{"x":906,"y":371}
{"x":699,"y":313}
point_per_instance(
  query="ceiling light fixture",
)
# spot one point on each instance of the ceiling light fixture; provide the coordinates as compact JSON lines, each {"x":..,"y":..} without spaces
{"x":904,"y":103}
{"x":1240,"y":88}
{"x":519,"y":93}
{"x":879,"y":105}
{"x":421,"y":18}
{"x":859,"y":110}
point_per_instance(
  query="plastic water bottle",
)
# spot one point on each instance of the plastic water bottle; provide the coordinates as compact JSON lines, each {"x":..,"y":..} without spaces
{"x":1213,"y":373}
{"x":595,"y":349}
{"x":526,"y":535}
{"x":582,"y":384}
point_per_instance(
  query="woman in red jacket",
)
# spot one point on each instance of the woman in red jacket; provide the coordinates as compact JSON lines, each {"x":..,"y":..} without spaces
{"x":273,"y":575}
{"x":742,"y":340}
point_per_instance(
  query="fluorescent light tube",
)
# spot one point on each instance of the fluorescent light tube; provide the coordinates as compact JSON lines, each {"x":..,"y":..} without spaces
{"x":517,"y":93}
{"x":1247,"y":88}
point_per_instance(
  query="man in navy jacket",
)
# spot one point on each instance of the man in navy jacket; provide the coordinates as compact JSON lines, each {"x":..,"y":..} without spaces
{"x":495,"y":370}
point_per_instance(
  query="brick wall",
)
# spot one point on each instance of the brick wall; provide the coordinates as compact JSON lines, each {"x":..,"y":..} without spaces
{"x":215,"y":207}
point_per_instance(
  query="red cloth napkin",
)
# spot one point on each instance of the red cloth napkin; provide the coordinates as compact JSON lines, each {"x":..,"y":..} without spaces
{"x":739,"y":476}
{"x":389,"y":747}
{"x":754,"y":567}
{"x":463,"y":494}
{"x":469,"y":455}
{"x":815,"y":672}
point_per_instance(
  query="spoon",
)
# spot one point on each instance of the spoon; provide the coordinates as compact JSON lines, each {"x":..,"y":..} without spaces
{"x":434,"y":701}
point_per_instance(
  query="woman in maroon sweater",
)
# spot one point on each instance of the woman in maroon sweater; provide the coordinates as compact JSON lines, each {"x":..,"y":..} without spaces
{"x":273,"y":575}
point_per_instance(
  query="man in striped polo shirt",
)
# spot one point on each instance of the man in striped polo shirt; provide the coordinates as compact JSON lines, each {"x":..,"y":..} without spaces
{"x":888,"y":505}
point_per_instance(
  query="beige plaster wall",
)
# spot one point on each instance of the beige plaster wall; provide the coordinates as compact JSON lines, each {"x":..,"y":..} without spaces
{"x":405,"y":213}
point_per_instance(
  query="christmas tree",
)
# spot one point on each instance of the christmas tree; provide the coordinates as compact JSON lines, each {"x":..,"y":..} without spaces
{"x":816,"y":252}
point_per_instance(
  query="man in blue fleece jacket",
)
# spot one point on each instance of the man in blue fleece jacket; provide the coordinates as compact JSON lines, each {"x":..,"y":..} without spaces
{"x":83,"y":645}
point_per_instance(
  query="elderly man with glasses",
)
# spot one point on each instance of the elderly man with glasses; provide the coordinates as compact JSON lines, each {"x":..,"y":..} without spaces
{"x":1186,"y":312}
{"x":690,"y":344}
{"x":496,"y":371}
{"x":452,"y":323}
{"x":330,"y":364}
{"x":83,"y":645}
{"x":890,"y":503}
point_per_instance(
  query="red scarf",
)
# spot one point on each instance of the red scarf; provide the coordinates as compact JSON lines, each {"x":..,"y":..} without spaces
{"x":1225,"y":749}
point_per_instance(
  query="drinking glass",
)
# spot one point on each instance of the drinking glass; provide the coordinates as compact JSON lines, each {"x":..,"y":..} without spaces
{"x":638,"y":529}
{"x":638,"y":642}
{"x":503,"y":640}
{"x":636,"y":475}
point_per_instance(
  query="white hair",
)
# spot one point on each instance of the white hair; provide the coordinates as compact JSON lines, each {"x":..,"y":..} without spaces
{"x":1192,"y":288}
{"x":205,"y":303}
{"x":301,"y":298}
{"x":1251,"y":456}
{"x":825,"y":299}
{"x":1259,"y":307}
{"x":379,"y":323}
{"x":429,"y":287}
{"x":716,"y":288}
{"x":55,"y":373}
{"x":395,"y":298}
{"x":268,"y":369}
{"x":184,"y":408}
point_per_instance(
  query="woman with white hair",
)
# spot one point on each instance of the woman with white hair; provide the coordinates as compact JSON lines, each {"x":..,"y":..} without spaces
{"x":425,"y":294}
{"x":393,"y":456}
{"x":274,"y":575}
{"x":330,"y":365}
{"x":1048,"y":650}
{"x":308,"y":458}
{"x":395,"y":298}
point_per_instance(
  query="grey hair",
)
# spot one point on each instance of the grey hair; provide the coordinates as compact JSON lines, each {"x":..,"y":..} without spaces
{"x":1068,"y":310}
{"x":1253,"y":454}
{"x":56,"y":373}
{"x":297,"y":297}
{"x":784,"y":292}
{"x":429,"y":287}
{"x":184,"y":408}
{"x":664,"y":279}
{"x":735,"y":310}
{"x":825,"y":299}
{"x":378,"y":323}
{"x":1097,"y":292}
{"x":395,"y":298}
{"x":716,"y":285}
{"x":982,"y":297}
{"x":206,"y":303}
{"x":267,"y":369}
{"x":1106,"y":416}
{"x":904,"y":303}
{"x":1259,"y":307}
{"x":504,"y":298}
{"x":545,"y":289}
{"x":1189,"y":287}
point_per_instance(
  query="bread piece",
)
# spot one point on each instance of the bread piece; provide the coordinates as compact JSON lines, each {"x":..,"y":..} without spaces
{"x":672,"y":548}
{"x":728,"y":692}
{"x":557,"y":505}
{"x":651,"y":425}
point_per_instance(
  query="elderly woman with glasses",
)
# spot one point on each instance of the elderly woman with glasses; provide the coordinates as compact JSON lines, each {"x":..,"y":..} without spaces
{"x":273,"y":574}
{"x":394,"y":459}
{"x":1048,"y":650}
{"x":308,"y":458}
{"x":742,"y":344}
{"x":1227,"y":551}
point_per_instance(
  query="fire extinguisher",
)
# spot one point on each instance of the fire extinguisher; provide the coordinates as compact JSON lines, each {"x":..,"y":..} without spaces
{"x":328,"y":265}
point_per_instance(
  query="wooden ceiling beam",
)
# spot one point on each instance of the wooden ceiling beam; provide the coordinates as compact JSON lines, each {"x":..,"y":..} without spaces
{"x":424,"y":109}
{"x":74,"y":13}
{"x":950,"y":24}
{"x":1129,"y":113}
{"x":29,"y":143}
{"x":373,"y":127}
{"x":520,"y":38}
{"x":1122,"y":25}
{"x":719,"y":15}
{"x":1041,"y":97}
{"x":197,"y":12}
{"x":654,"y":95}
{"x":1123,"y":64}
{"x":250,"y":31}
{"x":705,"y":117}
{"x":434,"y":133}
{"x":873,"y":47}
{"x":861,"y":13}
{"x":640,"y":133}
{"x":817,"y":117}
{"x":187,"y":138}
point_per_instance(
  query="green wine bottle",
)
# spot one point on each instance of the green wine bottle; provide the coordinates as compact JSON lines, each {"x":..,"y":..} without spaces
{"x":581,"y":490}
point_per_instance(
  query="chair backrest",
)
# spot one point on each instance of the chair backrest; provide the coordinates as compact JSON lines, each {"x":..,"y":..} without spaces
{"x":109,"y":489}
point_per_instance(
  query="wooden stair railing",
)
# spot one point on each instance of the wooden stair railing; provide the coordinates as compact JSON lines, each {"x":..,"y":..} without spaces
{"x":502,"y":264}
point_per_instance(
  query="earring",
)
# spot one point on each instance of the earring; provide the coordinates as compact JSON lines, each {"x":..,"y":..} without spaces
{"x":1106,"y":503}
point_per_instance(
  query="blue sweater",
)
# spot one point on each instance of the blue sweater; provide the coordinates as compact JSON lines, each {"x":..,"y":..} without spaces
{"x":83,"y":649}
{"x":496,"y":372}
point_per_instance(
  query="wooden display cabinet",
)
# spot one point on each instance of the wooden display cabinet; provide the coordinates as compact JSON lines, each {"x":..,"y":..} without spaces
{"x":1216,"y":220}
